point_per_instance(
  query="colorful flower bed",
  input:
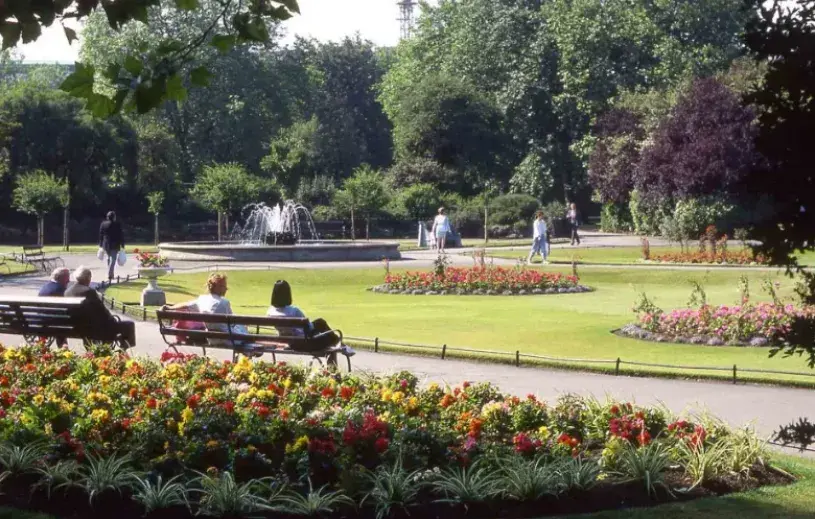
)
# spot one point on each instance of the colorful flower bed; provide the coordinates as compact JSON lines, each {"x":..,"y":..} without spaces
{"x":226,"y":440}
{"x":150,"y":259}
{"x":486,"y":280}
{"x":740,"y":257}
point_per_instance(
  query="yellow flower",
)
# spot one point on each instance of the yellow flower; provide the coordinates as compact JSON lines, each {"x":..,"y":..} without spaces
{"x":385,"y":417}
{"x":300,"y":444}
{"x":387,"y":394}
{"x":104,"y":380}
{"x":187,"y":415}
{"x":543,"y":431}
{"x":172,"y":371}
{"x":66,"y":354}
{"x":433,"y":387}
{"x":212,"y":444}
{"x":397,"y":397}
{"x":253,"y":378}
{"x":38,"y":399}
{"x":287,"y":383}
{"x":251,"y":448}
{"x":26,"y":420}
{"x":412,"y":403}
{"x":100,"y":415}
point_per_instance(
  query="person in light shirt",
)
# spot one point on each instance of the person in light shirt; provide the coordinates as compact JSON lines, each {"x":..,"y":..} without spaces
{"x":539,"y":239}
{"x":441,"y":226}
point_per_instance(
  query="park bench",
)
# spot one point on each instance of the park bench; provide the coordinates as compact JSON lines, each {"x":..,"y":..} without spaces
{"x":264,"y":340}
{"x":35,"y":256}
{"x":42,"y":319}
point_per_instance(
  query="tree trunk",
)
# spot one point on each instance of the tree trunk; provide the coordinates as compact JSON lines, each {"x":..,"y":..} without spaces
{"x":368,"y":229}
{"x":65,"y":238}
{"x":155,"y":229}
{"x":486,"y":227}
{"x":226,"y":225}
{"x":353,"y":232}
{"x":40,"y":230}
{"x":220,"y":220}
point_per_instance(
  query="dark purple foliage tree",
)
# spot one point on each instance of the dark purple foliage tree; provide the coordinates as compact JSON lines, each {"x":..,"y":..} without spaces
{"x":704,"y":147}
{"x":611,"y":165}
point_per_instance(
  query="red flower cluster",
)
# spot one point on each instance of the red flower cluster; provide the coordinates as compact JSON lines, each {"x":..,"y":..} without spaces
{"x":628,"y":426}
{"x":149,"y":259}
{"x":487,"y":278}
{"x":322,"y":445}
{"x":524,"y":444}
{"x":693,"y":434}
{"x":171,"y":356}
{"x":742,"y":257}
{"x":371,"y":430}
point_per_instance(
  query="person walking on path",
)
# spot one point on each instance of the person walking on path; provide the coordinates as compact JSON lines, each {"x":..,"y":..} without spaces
{"x":441,"y":226}
{"x":111,"y":239}
{"x":539,"y":239}
{"x":574,"y":222}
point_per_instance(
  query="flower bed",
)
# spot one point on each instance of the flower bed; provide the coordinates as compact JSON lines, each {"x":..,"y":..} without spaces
{"x":761,"y":324}
{"x":481,"y":281}
{"x":741,"y":257}
{"x":103,"y":434}
{"x":150,"y":259}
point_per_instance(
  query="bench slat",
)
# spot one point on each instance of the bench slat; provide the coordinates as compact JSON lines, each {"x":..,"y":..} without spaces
{"x":36,"y":301}
{"x":249,"y":320}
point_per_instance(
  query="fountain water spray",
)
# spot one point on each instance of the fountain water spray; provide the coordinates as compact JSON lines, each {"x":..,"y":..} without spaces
{"x":280,"y":224}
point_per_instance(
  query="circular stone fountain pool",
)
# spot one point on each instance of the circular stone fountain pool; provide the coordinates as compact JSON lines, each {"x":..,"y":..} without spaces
{"x":303,"y":251}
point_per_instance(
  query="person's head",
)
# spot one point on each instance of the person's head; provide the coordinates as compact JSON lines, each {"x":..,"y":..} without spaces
{"x":539,"y":215}
{"x":61,"y":276}
{"x":441,"y":210}
{"x":111,"y":216}
{"x":216,"y":284}
{"x":281,"y":294}
{"x":83,"y":276}
{"x":573,"y":205}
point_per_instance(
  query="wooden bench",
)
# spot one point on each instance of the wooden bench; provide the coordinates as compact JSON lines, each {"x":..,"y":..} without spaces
{"x":264,"y":340}
{"x":46,"y":318}
{"x":34,"y":255}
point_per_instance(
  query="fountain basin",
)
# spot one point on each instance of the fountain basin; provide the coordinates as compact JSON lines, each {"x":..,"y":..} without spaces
{"x":303,"y":251}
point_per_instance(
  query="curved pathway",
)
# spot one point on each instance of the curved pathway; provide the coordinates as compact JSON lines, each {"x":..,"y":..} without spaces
{"x":766,"y":406}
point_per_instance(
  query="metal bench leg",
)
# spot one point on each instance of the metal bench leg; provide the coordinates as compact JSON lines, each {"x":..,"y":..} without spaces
{"x":349,"y":363}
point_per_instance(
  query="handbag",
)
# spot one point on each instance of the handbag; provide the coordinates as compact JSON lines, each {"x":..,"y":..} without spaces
{"x":100,"y":254}
{"x":121,"y":258}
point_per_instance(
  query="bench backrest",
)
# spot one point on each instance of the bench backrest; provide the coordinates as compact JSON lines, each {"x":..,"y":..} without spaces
{"x":45,"y":316}
{"x":260,"y":324}
{"x":33,"y":252}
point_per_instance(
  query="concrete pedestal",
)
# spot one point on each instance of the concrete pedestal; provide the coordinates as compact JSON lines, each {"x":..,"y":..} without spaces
{"x":151,"y":297}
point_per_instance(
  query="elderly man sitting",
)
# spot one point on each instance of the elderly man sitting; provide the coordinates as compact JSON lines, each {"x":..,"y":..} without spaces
{"x":100,"y":320}
{"x":57,"y":284}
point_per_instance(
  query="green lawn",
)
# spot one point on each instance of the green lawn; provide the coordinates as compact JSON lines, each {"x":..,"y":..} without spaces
{"x":610,"y":255}
{"x":795,"y":501}
{"x":567,"y":325}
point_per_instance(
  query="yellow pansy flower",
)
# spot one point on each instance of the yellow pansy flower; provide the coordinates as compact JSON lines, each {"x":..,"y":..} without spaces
{"x":38,"y":399}
{"x":397,"y":397}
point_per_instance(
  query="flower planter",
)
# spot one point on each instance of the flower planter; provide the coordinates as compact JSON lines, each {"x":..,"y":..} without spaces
{"x":152,"y":295}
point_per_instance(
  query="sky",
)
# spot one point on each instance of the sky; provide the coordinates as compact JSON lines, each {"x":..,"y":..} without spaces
{"x":325,"y":20}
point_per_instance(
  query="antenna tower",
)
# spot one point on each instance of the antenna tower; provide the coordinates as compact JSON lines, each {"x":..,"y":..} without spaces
{"x":405,"y":17}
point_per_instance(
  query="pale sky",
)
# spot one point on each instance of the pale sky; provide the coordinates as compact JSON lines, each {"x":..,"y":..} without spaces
{"x":376,"y":20}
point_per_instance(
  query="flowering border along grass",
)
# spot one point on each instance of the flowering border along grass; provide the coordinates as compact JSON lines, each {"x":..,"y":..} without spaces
{"x":481,"y":280}
{"x":104,"y":433}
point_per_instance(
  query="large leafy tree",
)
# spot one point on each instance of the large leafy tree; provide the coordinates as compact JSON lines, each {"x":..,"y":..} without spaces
{"x":619,"y":135}
{"x":39,"y":193}
{"x":225,"y":188}
{"x":705,"y":146}
{"x":151,"y":74}
{"x":363,"y":193}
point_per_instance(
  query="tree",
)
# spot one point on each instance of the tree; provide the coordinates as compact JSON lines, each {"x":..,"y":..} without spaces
{"x":39,"y":193}
{"x":224,"y":188}
{"x":619,"y":134}
{"x":363,"y":192}
{"x":704,"y":147}
{"x":155,"y":201}
{"x":420,"y":200}
{"x":150,"y":75}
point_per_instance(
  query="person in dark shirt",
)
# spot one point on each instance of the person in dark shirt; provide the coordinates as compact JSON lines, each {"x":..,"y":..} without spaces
{"x":99,"y":319}
{"x":111,"y":239}
{"x":57,"y":285}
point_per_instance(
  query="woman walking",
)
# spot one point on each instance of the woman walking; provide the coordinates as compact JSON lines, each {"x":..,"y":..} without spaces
{"x":539,"y":239}
{"x":441,"y":226}
{"x":574,"y":223}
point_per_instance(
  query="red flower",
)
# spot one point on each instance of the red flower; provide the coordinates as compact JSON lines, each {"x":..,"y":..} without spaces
{"x":133,"y":393}
{"x":152,"y":403}
{"x":328,"y":392}
{"x":192,"y":402}
{"x":2,"y":413}
{"x":125,"y":423}
{"x":346,"y":393}
{"x":135,"y":251}
{"x":381,"y":445}
{"x":615,"y":410}
{"x":229,"y":407}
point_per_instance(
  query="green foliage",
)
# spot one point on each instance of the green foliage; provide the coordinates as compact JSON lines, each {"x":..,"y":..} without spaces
{"x":60,"y":476}
{"x":315,"y":502}
{"x":532,"y":177}
{"x":704,"y":462}
{"x":467,"y":485}
{"x":364,"y":192}
{"x":155,"y":201}
{"x":615,"y":218}
{"x":316,"y":191}
{"x":158,"y":494}
{"x":293,"y":153}
{"x":646,"y":216}
{"x":529,"y":480}
{"x":421,"y":170}
{"x":111,"y":474}
{"x":222,"y":496}
{"x":516,"y":210}
{"x":40,"y":193}
{"x":148,"y":78}
{"x":646,"y":464}
{"x":226,"y":187}
{"x":18,"y":460}
{"x":420,"y":201}
{"x":393,"y":488}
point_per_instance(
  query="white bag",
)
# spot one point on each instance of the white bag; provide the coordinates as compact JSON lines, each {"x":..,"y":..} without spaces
{"x":100,"y":254}
{"x":121,"y":259}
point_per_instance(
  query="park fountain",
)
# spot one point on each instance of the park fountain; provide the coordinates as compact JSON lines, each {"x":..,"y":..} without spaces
{"x":283,"y":232}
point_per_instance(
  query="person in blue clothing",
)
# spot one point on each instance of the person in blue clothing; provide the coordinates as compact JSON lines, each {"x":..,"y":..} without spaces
{"x":57,"y":284}
{"x":540,"y":239}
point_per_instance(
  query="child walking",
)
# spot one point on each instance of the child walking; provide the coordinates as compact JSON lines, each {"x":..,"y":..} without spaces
{"x":539,"y":239}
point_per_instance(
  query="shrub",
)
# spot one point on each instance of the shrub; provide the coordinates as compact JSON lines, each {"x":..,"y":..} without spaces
{"x":616,"y":218}
{"x":513,"y":210}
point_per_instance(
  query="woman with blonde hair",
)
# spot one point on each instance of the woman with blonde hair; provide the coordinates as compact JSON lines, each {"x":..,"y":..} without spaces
{"x":441,"y":226}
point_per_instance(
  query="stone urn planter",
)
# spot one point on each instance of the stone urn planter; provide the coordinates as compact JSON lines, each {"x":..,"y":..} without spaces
{"x":152,"y":295}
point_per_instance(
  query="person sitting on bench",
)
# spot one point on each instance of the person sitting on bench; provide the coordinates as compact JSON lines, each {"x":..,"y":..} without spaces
{"x":99,"y":317}
{"x":214,"y":302}
{"x":281,"y":306}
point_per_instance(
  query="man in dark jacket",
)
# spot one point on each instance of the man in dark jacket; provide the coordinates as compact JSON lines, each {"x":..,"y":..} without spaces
{"x":99,"y":320}
{"x":57,"y":284}
{"x":111,"y":239}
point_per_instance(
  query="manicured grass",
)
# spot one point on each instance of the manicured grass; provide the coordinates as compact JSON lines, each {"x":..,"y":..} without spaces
{"x":15,"y":268}
{"x":795,"y":501}
{"x":564,"y":325}
{"x":610,"y":255}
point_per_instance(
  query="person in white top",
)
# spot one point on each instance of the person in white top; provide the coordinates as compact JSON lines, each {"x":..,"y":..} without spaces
{"x":539,"y":239}
{"x":441,"y":226}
